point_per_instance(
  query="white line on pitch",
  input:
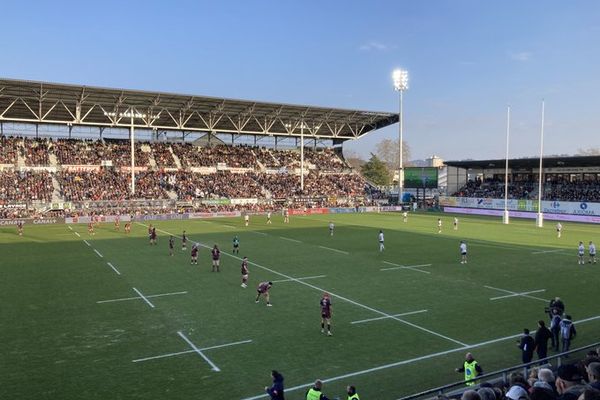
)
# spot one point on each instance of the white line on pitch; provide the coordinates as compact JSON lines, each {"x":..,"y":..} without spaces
{"x":200,"y":353}
{"x":229,"y":226}
{"x":99,"y":255}
{"x":411,"y":267}
{"x":259,"y":233}
{"x":191,"y":351}
{"x":336,"y":250}
{"x":77,"y":233}
{"x":144,"y":298}
{"x":68,"y":226}
{"x":289,"y":239}
{"x":334,"y":295}
{"x":517,"y":294}
{"x":137,"y":298}
{"x":300,"y":279}
{"x":86,"y":242}
{"x":113,"y":267}
{"x":405,"y":362}
{"x":395,"y":315}
{"x":547,"y":251}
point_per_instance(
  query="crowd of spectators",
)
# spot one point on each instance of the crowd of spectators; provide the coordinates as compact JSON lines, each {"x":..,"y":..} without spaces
{"x":162,"y":155}
{"x":189,"y":186}
{"x":25,"y":186}
{"x":10,"y":148}
{"x":78,"y":152}
{"x":36,"y":152}
{"x":493,"y":188}
{"x":553,"y":189}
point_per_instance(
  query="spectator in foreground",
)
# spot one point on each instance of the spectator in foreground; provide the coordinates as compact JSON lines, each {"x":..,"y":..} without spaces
{"x":276,"y":390}
{"x":568,"y":383}
{"x":593,"y":371}
{"x":470,"y":395}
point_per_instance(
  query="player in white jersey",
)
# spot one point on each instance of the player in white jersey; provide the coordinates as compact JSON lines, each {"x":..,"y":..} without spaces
{"x":455,"y":223}
{"x":269,"y":217}
{"x":405,"y":216}
{"x":592,"y":252}
{"x":439,"y":225}
{"x":381,"y":240}
{"x":558,"y":230}
{"x":463,"y":252}
{"x":580,"y":254}
{"x":331,"y":227}
{"x":286,"y":216}
{"x":246,"y":219}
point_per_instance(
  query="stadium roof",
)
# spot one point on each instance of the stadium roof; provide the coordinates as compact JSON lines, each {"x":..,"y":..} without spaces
{"x":529,"y":163}
{"x":55,"y":103}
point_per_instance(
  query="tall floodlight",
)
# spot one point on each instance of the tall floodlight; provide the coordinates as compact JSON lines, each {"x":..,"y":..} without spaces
{"x":400,"y":77}
{"x":505,"y":217}
{"x":539,"y":221}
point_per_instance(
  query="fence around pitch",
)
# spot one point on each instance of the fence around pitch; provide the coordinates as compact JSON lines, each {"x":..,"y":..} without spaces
{"x":457,"y":388}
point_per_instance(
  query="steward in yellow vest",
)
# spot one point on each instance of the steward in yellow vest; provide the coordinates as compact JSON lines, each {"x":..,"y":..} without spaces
{"x":471,"y":369}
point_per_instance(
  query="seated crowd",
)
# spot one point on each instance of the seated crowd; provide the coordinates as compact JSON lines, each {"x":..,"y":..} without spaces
{"x":85,"y":170}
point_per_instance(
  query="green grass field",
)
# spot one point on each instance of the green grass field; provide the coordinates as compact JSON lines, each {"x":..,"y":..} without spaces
{"x":59,"y":342}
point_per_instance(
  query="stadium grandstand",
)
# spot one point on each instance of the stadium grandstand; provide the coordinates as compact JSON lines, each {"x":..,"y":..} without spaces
{"x":73,"y":150}
{"x":570,"y":186}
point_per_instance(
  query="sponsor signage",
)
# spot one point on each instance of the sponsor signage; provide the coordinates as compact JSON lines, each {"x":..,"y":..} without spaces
{"x":523,"y":214}
{"x":81,"y":168}
{"x":552,"y":207}
{"x":198,"y":215}
{"x":215,"y":202}
{"x":33,"y":221}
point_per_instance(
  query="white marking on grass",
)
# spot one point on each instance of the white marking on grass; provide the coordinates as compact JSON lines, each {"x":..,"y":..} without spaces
{"x":300,"y":279}
{"x":68,"y":226}
{"x":191,"y":351}
{"x":517,"y":294}
{"x":333,"y":294}
{"x":230,"y":226}
{"x":99,"y":254}
{"x":336,"y":250}
{"x":77,"y":233}
{"x":114,"y":268}
{"x":547,"y":251}
{"x":259,"y":233}
{"x":197,"y":350}
{"x":138,"y":298}
{"x":380,"y":318}
{"x":86,"y":242}
{"x":289,"y":239}
{"x":405,"y":362}
{"x":411,"y":267}
{"x":143,"y":297}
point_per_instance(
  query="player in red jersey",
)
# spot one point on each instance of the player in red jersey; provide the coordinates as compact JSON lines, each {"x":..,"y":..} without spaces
{"x":127,"y":227}
{"x":20,"y":228}
{"x":216,"y":258}
{"x":171,"y":245}
{"x":153,"y":237}
{"x":117,"y":224}
{"x":195,"y":254}
{"x":184,"y":241}
{"x":245,"y":272}
{"x":326,"y":314}
{"x":91,"y":228}
{"x":263,"y":289}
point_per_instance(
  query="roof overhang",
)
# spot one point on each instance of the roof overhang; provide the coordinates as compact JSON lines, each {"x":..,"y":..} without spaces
{"x":55,"y":103}
{"x":528,"y":163}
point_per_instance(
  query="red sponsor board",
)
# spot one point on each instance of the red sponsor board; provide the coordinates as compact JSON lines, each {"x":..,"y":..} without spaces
{"x":309,"y":211}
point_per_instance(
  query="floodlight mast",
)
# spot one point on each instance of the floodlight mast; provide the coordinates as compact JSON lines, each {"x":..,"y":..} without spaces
{"x":400,"y":77}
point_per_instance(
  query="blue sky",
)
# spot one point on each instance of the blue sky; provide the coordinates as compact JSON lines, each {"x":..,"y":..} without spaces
{"x":467,"y":60}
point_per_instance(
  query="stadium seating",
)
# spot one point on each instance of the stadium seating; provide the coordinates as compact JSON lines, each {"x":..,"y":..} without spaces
{"x":77,"y":170}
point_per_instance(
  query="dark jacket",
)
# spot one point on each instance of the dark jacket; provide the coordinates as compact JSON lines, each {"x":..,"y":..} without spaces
{"x":527,"y":345}
{"x":541,"y":337}
{"x":276,"y":391}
